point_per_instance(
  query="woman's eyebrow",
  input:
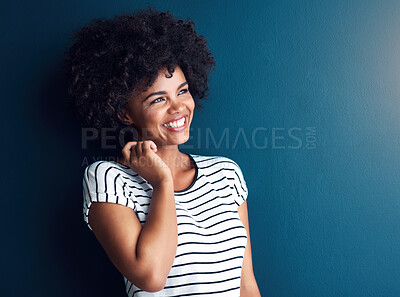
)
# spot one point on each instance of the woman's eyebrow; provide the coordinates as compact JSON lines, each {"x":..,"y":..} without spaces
{"x":163,"y":92}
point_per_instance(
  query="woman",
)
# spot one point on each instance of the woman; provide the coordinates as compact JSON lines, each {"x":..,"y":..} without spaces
{"x":173,"y":224}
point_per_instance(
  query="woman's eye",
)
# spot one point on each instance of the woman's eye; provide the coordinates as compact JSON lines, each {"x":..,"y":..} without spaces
{"x":162,"y":98}
{"x":155,"y":101}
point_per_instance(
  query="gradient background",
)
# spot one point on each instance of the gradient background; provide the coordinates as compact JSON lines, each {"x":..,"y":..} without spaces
{"x":309,"y":94}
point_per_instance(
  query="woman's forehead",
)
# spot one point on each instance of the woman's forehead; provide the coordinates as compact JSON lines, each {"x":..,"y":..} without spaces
{"x":163,"y":80}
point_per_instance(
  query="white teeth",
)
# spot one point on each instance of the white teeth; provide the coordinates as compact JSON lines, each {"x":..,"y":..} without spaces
{"x":175,"y":124}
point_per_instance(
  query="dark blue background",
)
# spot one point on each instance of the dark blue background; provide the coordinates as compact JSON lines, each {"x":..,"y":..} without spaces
{"x":305,"y":98}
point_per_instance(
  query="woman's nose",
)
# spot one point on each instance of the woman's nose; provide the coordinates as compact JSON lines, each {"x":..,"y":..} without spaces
{"x":176,"y":104}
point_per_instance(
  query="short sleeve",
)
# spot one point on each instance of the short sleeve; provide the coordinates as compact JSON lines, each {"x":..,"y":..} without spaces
{"x":102,"y":182}
{"x":239,"y":184}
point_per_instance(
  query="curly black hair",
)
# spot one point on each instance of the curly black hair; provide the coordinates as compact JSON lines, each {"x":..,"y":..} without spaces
{"x":111,"y":59}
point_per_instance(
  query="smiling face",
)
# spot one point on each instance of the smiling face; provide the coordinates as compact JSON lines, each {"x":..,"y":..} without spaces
{"x":164,"y":112}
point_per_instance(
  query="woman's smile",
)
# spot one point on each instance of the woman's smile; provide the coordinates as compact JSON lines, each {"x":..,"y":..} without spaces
{"x":176,"y":125}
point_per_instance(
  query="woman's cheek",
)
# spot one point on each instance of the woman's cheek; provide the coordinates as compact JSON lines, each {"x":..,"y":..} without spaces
{"x":156,"y":117}
{"x":191,"y":103}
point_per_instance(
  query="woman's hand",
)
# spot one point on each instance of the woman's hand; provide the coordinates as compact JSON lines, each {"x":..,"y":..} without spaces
{"x":141,"y":157}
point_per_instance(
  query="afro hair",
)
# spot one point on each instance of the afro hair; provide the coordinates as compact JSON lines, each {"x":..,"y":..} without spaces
{"x":110,"y":59}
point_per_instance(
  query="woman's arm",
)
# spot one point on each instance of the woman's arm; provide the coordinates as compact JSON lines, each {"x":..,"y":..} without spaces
{"x":144,"y":255}
{"x":248,"y":286}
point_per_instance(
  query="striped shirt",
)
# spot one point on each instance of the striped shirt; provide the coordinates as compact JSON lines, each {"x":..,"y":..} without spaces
{"x":211,"y":236}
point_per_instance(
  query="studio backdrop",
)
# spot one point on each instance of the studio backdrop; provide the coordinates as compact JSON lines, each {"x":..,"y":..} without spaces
{"x":304,"y":97}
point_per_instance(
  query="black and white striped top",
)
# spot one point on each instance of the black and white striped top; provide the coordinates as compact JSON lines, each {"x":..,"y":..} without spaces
{"x":211,"y":237}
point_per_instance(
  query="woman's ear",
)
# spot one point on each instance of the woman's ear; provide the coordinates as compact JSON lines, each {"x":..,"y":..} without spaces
{"x":125,"y":118}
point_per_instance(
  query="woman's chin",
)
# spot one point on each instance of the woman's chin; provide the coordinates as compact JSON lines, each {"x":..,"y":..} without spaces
{"x":175,"y":140}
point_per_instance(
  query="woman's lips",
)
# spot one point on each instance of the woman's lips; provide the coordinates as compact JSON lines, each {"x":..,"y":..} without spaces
{"x":178,"y":129}
{"x":176,"y":119}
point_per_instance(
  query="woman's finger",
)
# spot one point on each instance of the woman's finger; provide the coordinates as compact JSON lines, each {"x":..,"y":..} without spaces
{"x":153,"y":146}
{"x":132,"y":144}
{"x":149,"y":145}
{"x":138,"y":148}
{"x":126,"y":150}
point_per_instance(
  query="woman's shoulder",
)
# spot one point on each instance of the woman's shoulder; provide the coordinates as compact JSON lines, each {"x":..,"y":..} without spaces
{"x":214,"y":160}
{"x":105,"y":164}
{"x":109,"y":168}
